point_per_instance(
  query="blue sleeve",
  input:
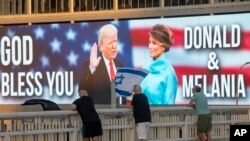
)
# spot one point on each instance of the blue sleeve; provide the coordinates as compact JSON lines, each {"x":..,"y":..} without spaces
{"x":170,"y":90}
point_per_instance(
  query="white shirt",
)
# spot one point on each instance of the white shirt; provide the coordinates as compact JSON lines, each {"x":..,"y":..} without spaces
{"x":106,"y":61}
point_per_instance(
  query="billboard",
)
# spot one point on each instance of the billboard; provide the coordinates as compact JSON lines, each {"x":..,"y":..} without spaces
{"x":46,"y":61}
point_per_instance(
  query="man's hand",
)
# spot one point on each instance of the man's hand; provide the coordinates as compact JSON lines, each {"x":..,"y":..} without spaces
{"x":73,"y":107}
{"x":191,"y":104}
{"x":94,"y":59}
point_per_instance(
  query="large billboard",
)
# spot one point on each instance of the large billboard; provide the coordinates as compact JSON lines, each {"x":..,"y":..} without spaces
{"x":46,"y":61}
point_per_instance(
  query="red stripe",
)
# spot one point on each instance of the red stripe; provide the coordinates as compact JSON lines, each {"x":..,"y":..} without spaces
{"x":245,"y":41}
{"x":190,"y":70}
{"x":140,"y":36}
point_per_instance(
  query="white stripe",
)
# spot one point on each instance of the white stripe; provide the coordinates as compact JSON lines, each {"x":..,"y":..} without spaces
{"x":140,"y":56}
{"x":198,"y":58}
{"x":180,"y":22}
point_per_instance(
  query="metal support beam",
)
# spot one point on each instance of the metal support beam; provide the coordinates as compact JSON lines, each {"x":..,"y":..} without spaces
{"x":71,"y":16}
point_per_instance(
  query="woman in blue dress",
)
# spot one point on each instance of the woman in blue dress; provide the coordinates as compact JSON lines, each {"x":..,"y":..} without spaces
{"x":160,"y":85}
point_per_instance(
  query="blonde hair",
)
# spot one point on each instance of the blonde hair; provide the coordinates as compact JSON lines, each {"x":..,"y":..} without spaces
{"x":106,"y":30}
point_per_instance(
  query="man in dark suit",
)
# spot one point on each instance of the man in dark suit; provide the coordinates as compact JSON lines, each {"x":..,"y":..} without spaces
{"x":100,"y":69}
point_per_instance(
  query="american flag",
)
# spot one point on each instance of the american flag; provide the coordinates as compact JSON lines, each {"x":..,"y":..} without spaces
{"x":64,"y":47}
{"x":194,"y":61}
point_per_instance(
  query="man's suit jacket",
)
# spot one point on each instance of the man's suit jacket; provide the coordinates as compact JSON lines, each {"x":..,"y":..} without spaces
{"x":97,"y":84}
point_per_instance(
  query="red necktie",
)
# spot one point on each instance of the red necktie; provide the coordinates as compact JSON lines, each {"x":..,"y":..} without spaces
{"x":112,"y":71}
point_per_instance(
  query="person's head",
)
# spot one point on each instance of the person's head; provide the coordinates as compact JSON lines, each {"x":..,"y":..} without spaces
{"x":83,"y":93}
{"x":107,"y":41}
{"x":137,"y":89}
{"x":160,"y":40}
{"x":196,"y":89}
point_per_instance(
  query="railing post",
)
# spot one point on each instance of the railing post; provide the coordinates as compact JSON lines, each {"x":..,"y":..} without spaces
{"x":71,"y":6}
{"x":113,"y":95}
{"x":29,"y":7}
{"x":162,"y":3}
{"x":7,"y":138}
{"x":185,"y":129}
{"x":115,"y":4}
{"x":74,"y":138}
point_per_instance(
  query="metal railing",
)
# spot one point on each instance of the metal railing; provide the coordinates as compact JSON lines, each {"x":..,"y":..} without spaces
{"x":168,"y":124}
{"x":44,"y":11}
{"x":13,"y":7}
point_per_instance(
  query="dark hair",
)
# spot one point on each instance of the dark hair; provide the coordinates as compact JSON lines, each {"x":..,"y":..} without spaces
{"x":197,"y":88}
{"x":162,"y":34}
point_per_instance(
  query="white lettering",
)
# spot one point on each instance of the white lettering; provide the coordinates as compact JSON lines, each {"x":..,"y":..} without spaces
{"x":18,"y":50}
{"x":236,"y":36}
{"x":222,"y":86}
{"x":61,"y":82}
{"x":20,"y":84}
{"x":188,"y":38}
{"x":239,"y":132}
{"x":4,"y":83}
{"x":212,"y":37}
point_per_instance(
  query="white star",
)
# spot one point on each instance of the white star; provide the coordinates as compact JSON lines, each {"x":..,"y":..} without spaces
{"x":120,"y":47}
{"x":61,"y":69}
{"x":84,"y":24}
{"x":14,"y":67}
{"x":45,"y":61}
{"x":86,"y":46}
{"x":71,"y":34}
{"x":10,"y":33}
{"x":115,"y":22}
{"x":72,"y":59}
{"x":54,"y":26}
{"x":56,"y":45}
{"x":39,"y":32}
{"x":32,"y":71}
{"x":97,"y":32}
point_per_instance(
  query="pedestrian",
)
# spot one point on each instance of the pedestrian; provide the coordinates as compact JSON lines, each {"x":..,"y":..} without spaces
{"x":90,"y":119}
{"x":141,"y":113}
{"x":200,"y":104}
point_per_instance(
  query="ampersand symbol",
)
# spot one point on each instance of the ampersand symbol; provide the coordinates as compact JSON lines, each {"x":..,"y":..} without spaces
{"x":213,"y":62}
